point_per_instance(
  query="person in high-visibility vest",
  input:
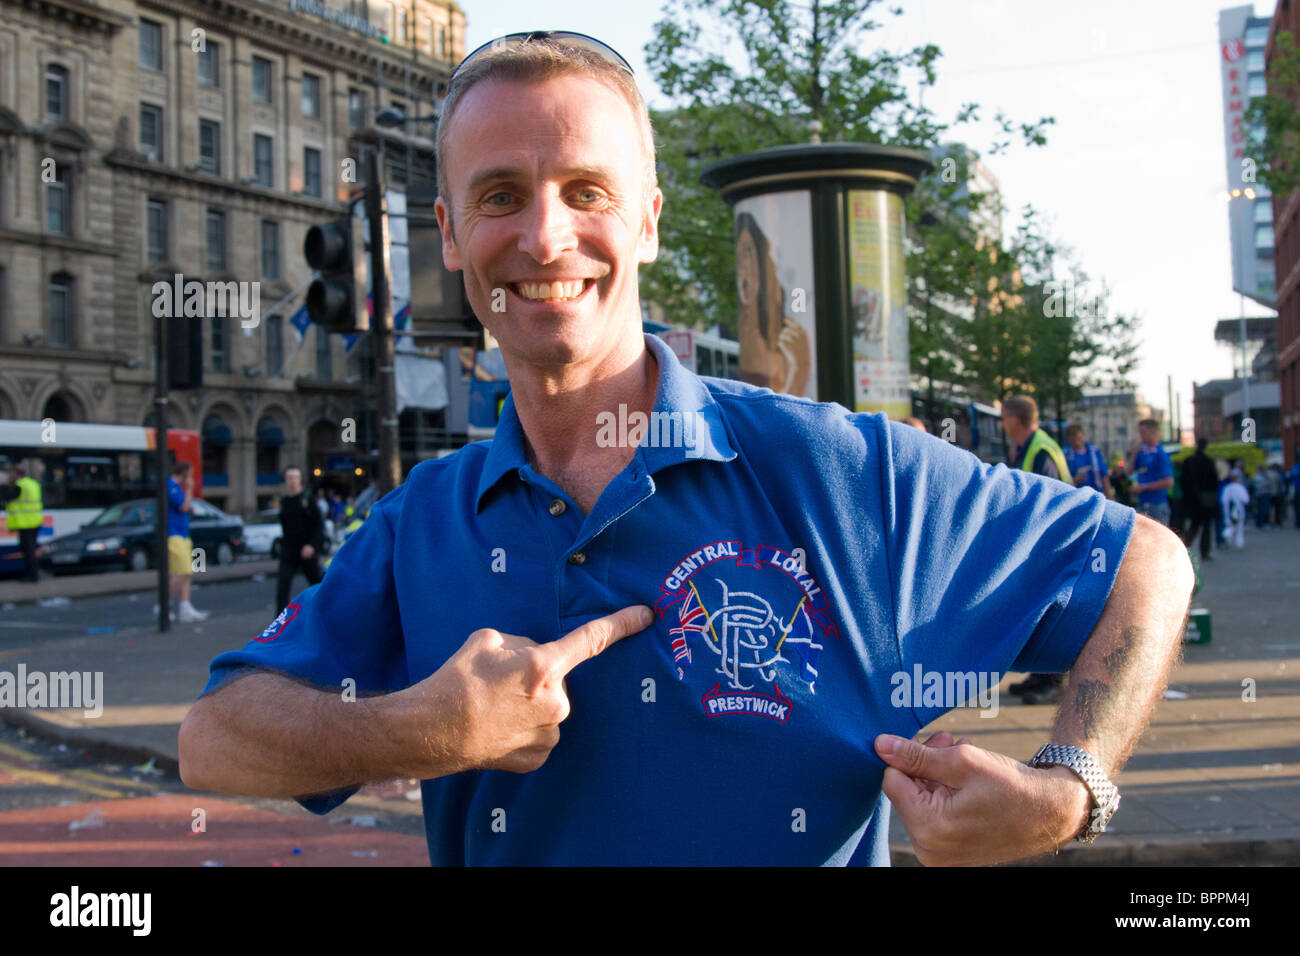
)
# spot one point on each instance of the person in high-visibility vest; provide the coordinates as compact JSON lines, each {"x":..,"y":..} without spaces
{"x":1033,"y":450}
{"x":23,"y":513}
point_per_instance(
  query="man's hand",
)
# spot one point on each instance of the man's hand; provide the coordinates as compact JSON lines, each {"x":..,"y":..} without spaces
{"x":966,"y":806}
{"x":307,"y":551}
{"x":501,"y":698}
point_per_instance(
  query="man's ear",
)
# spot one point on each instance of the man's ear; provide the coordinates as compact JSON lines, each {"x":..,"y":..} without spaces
{"x":450,"y":254}
{"x":648,"y":241}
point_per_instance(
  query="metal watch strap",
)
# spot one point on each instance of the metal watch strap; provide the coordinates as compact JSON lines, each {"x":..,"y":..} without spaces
{"x":1105,"y":795}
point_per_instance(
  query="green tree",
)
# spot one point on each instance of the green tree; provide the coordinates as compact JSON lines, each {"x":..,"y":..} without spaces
{"x":748,"y":74}
{"x":1273,"y":122}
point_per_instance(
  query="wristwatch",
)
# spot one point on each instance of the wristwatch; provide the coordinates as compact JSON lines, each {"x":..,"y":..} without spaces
{"x":1105,"y":795}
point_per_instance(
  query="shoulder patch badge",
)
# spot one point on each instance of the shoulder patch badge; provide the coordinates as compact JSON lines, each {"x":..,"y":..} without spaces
{"x":759,"y":612}
{"x":273,"y":629}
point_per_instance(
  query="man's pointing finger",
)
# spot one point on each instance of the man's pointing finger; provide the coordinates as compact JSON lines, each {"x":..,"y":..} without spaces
{"x":592,"y":638}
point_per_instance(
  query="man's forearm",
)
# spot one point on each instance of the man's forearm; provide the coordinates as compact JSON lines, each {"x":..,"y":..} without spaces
{"x":1121,"y":673}
{"x":269,"y":736}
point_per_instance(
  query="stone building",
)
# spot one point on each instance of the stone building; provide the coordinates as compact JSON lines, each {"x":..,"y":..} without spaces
{"x":144,"y":139}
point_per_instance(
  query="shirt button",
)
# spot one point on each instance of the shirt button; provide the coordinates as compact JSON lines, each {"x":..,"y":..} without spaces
{"x":557,"y":507}
{"x":578,"y":557}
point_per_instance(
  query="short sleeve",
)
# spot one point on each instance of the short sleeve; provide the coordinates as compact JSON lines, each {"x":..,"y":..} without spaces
{"x":175,"y":494}
{"x":991,"y":569}
{"x":346,"y":627}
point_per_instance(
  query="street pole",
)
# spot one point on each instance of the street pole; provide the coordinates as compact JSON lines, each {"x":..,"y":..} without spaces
{"x":1169,"y":384}
{"x":389,"y":471}
{"x":160,"y":451}
{"x":1245,"y":368}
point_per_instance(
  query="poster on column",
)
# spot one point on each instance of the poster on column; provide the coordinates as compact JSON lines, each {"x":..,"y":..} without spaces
{"x":776,"y":325}
{"x":878,"y":303}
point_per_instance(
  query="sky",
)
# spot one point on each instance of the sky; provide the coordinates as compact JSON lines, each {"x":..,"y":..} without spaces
{"x":1134,"y":169}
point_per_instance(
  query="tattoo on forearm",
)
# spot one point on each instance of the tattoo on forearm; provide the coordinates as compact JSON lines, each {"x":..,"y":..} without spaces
{"x":1118,"y":658}
{"x":1090,"y":698}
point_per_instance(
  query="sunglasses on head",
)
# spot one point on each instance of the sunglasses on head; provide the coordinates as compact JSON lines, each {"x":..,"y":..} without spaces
{"x":575,"y":41}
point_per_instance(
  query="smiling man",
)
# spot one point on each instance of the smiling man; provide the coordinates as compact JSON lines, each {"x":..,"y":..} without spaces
{"x":648,"y":653}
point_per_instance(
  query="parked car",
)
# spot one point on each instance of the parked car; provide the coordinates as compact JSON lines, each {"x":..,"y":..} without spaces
{"x":122,"y":536}
{"x":264,"y":536}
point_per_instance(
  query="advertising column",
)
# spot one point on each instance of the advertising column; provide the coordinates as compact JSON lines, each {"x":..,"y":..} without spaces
{"x":819,"y":269}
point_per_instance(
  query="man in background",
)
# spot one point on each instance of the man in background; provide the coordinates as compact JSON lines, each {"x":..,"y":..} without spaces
{"x":1235,"y":499}
{"x":1032,"y":449}
{"x":1153,"y":472}
{"x":1087,"y":463}
{"x":302,"y":536}
{"x":180,"y":495}
{"x":23,"y":513}
{"x":1200,"y":483}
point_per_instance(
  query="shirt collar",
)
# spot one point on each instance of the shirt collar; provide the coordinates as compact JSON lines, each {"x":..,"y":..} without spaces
{"x":680,"y":392}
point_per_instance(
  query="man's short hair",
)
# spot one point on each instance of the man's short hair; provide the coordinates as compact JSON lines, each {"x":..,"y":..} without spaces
{"x":1074,"y":428}
{"x":285,"y":473}
{"x":1023,"y":409}
{"x":1202,"y":443}
{"x":536,"y":61}
{"x":1148,"y":423}
{"x":180,"y":468}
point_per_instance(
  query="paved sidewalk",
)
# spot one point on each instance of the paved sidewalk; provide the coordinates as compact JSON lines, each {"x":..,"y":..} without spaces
{"x":1215,"y":779}
{"x":94,"y":584}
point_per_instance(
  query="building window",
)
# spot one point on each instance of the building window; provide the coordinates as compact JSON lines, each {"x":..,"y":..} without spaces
{"x":263,"y":170}
{"x":1256,"y":85}
{"x":210,"y":147}
{"x":216,"y":236}
{"x":274,"y":346}
{"x":1257,"y":35}
{"x":61,"y":310}
{"x":311,"y":96}
{"x":58,"y":203}
{"x":400,"y":106}
{"x":442,"y":40}
{"x":210,"y":64}
{"x":151,"y":132}
{"x":428,"y":37}
{"x":56,"y":94}
{"x":401,"y":26}
{"x":323,"y":364}
{"x":270,"y":249}
{"x":311,"y":172}
{"x":151,"y":45}
{"x":356,"y":108}
{"x":156,"y":228}
{"x":261,"y":80}
{"x":1255,"y":61}
{"x":220,"y":362}
{"x":1263,"y":211}
{"x":1264,"y":237}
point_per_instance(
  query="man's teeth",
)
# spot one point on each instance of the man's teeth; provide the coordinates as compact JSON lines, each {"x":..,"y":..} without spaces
{"x":551,"y":291}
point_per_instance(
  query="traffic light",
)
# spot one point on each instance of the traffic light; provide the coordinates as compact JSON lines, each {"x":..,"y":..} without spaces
{"x":439,"y":307}
{"x":336,"y":299}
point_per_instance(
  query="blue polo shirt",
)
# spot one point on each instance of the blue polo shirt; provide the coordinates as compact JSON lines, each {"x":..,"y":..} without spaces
{"x":1151,"y":464}
{"x":178,"y":522}
{"x":801,"y":560}
{"x":1090,"y":458}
